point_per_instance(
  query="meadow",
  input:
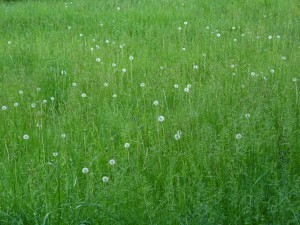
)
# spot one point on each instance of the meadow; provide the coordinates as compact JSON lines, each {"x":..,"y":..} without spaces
{"x":149,"y":112}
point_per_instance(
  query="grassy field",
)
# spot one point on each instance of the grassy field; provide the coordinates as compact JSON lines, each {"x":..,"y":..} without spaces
{"x":150,"y":112}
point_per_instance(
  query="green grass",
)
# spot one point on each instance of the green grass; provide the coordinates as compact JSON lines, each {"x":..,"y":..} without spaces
{"x":208,"y":176}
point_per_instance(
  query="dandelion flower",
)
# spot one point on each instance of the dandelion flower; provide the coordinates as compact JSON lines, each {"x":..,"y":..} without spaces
{"x":112,"y":162}
{"x":105,"y":179}
{"x":196,"y":67}
{"x":131,"y":58}
{"x":74,"y":84}
{"x":98,"y":59}
{"x":238,"y":136}
{"x":33,"y":105}
{"x":52,"y":98}
{"x":9,"y":42}
{"x":83,"y":95}
{"x":85,"y":170}
{"x":25,"y":136}
{"x":189,"y":86}
{"x":142,"y":84}
{"x":176,"y":86}
{"x":272,"y":71}
{"x":115,"y":95}
{"x":294,"y":79}
{"x":179,"y":28}
{"x":105,"y":84}
{"x":247,"y":115}
{"x":185,"y":23}
{"x":55,"y":154}
{"x":16,"y":104}
{"x":155,"y":103}
{"x":44,"y":101}
{"x":252,"y":74}
{"x":283,"y":57}
{"x":177,"y":136}
{"x":186,"y":89}
{"x":113,"y":64}
{"x":4,"y":107}
{"x":161,"y":119}
{"x":126,"y":145}
{"x":63,"y":136}
{"x":124,"y":70}
{"x":21,"y":92}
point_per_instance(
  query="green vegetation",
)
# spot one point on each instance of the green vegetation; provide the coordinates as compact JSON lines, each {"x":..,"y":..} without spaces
{"x":79,"y":80}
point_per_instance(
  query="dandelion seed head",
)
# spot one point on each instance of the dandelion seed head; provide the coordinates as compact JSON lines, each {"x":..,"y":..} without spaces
{"x":9,"y":42}
{"x":185,"y":23}
{"x":113,"y":65}
{"x":112,"y":162}
{"x":83,"y":95}
{"x":179,"y":28}
{"x":4,"y":107}
{"x":25,"y":136}
{"x":105,"y":179}
{"x":294,"y":79}
{"x":55,"y":154}
{"x":238,"y":136}
{"x":21,"y":92}
{"x":176,"y":86}
{"x":33,"y":105}
{"x":63,"y":136}
{"x":252,"y":74}
{"x":98,"y":60}
{"x":142,"y":84}
{"x":105,"y":84}
{"x":189,"y":86}
{"x":16,"y":104}
{"x":186,"y":89}
{"x":218,"y":35}
{"x":131,"y":58}
{"x":52,"y":98}
{"x":196,"y":67}
{"x":124,"y":70}
{"x":272,"y":71}
{"x":115,"y":95}
{"x":85,"y":170}
{"x":126,"y":145}
{"x":155,"y":103}
{"x":247,"y":115}
{"x":161,"y":119}
{"x":283,"y":57}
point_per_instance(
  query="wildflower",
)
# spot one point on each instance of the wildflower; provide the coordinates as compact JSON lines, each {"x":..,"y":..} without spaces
{"x":270,"y":37}
{"x":55,"y":154}
{"x":278,"y":36}
{"x":63,"y":136}
{"x":131,"y":58}
{"x":25,"y":136}
{"x":247,"y":115}
{"x":176,"y":86}
{"x":113,"y":65}
{"x":38,"y":89}
{"x":112,"y":162}
{"x":179,"y":28}
{"x":124,"y":70}
{"x":252,"y":74}
{"x":218,"y":35}
{"x":238,"y":136}
{"x":196,"y":67}
{"x":69,"y":27}
{"x":161,"y":119}
{"x":183,"y":49}
{"x":126,"y":145}
{"x":97,"y":46}
{"x":98,"y":59}
{"x":272,"y":71}
{"x":16,"y":104}
{"x":21,"y":92}
{"x":105,"y":179}
{"x":189,"y":86}
{"x":106,"y":41}
{"x":142,"y":84}
{"x":294,"y":79}
{"x":185,"y":23}
{"x":118,"y":8}
{"x":83,"y":95}
{"x":52,"y":98}
{"x":81,"y":35}
{"x":74,"y":84}
{"x":155,"y":103}
{"x":186,"y":89}
{"x":63,"y":72}
{"x":4,"y":107}
{"x":115,"y":95}
{"x":85,"y":170}
{"x":283,"y":57}
{"x":233,"y":28}
{"x":33,"y":105}
{"x":105,"y":84}
{"x":9,"y":42}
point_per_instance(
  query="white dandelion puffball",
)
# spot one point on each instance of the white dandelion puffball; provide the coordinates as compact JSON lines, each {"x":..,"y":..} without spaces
{"x":131,"y":58}
{"x":21,"y":92}
{"x":238,"y":136}
{"x":16,"y":104}
{"x":161,"y":119}
{"x":177,"y":137}
{"x":25,"y":136}
{"x":105,"y":179}
{"x":83,"y":95}
{"x":115,"y":95}
{"x":155,"y":102}
{"x":247,"y":116}
{"x":63,"y":136}
{"x":4,"y":107}
{"x":142,"y":84}
{"x":74,"y":84}
{"x":124,"y":70}
{"x":112,"y":162}
{"x":185,"y":23}
{"x":272,"y":71}
{"x":52,"y":98}
{"x":126,"y":145}
{"x":55,"y":154}
{"x":186,"y":89}
{"x":113,"y":64}
{"x":176,"y":86}
{"x":105,"y":84}
{"x":196,"y":67}
{"x":85,"y":170}
{"x":44,"y":101}
{"x":33,"y":105}
{"x":252,"y":74}
{"x":189,"y":86}
{"x":98,"y":60}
